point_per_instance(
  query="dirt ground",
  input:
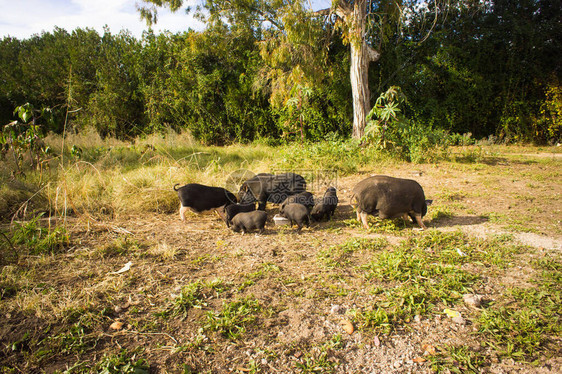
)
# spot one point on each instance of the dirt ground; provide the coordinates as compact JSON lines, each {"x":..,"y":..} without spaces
{"x":303,"y":302}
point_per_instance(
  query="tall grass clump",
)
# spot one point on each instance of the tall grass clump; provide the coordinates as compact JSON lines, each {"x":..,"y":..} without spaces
{"x":35,"y":239}
{"x":342,"y":155}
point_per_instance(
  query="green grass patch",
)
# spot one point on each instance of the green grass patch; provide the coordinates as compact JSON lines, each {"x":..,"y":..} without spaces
{"x":232,"y":319}
{"x":339,"y":255}
{"x":195,"y":295}
{"x":35,"y":239}
{"x":528,"y":323}
{"x":426,"y":271}
{"x":457,"y":359}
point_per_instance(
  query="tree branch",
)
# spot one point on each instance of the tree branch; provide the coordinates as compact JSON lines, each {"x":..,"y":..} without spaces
{"x":372,"y":53}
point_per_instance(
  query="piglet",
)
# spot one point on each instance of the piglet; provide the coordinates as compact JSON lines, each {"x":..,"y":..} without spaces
{"x":248,"y":221}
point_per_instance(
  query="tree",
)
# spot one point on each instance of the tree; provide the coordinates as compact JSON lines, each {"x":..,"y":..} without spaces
{"x":353,"y":14}
{"x":364,"y":25}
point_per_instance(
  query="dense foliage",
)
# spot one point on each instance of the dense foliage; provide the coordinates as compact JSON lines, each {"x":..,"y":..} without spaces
{"x":490,"y":68}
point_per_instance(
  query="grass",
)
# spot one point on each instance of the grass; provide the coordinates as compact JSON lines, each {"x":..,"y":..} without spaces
{"x":414,"y":281}
{"x":199,"y":299}
{"x":529,"y":322}
{"x":232,"y":320}
{"x":457,"y":359}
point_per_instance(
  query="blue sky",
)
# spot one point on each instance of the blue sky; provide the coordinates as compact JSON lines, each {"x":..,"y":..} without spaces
{"x":24,"y":18}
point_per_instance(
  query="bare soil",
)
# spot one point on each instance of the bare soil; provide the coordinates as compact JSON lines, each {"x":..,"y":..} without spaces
{"x":303,"y":302}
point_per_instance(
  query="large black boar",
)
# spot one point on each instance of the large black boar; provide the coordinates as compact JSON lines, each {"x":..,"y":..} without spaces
{"x":296,"y":213}
{"x":249,"y":221}
{"x":326,"y":206}
{"x":305,"y":198}
{"x":273,"y":188}
{"x":232,"y":210}
{"x":390,"y":198}
{"x":198,"y":198}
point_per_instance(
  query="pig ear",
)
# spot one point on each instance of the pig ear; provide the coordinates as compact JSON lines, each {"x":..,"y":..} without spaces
{"x":428,"y":202}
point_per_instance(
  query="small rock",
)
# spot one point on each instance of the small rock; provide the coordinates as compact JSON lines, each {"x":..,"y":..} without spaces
{"x":474,"y":301}
{"x":347,"y":326}
{"x":428,"y":349}
{"x":459,"y":320}
{"x":117,"y":325}
{"x":417,"y":318}
{"x":377,"y":341}
{"x":337,"y":309}
{"x":397,"y":364}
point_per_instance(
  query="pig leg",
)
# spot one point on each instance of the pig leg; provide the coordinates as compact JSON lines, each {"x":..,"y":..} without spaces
{"x":420,"y":222}
{"x":182,"y":212}
{"x":364,"y":219}
{"x":358,"y":212}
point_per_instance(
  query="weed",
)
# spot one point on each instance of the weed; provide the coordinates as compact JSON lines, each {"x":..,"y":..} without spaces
{"x":318,"y":360}
{"x":231,"y":321}
{"x":206,"y":259}
{"x":39,"y":240}
{"x":265,"y":268}
{"x":315,"y":361}
{"x":457,"y":359}
{"x":76,"y":340}
{"x":122,"y":363}
{"x":530,"y":322}
{"x":457,"y":248}
{"x":414,"y":281}
{"x":191,"y":296}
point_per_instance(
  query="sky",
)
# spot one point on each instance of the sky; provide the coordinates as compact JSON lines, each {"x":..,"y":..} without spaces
{"x":23,"y":18}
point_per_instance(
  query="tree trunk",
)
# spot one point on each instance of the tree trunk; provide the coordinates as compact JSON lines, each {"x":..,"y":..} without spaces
{"x":361,"y":55}
{"x":359,"y":74}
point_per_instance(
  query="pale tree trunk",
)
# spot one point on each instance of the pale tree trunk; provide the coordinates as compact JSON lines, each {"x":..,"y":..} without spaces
{"x":361,"y":55}
{"x":359,"y":72}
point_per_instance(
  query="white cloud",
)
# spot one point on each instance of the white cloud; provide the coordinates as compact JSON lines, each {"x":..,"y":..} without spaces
{"x":23,"y":18}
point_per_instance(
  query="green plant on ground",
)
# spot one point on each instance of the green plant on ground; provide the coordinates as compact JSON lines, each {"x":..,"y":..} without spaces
{"x":390,"y":131}
{"x":123,"y":363}
{"x":414,"y":281}
{"x":232,"y":320}
{"x":40,"y":240}
{"x":529,"y":323}
{"x":194,"y":295}
{"x":25,"y":136}
{"x":318,"y":359}
{"x":457,"y":359}
{"x":191,"y":296}
{"x":338,"y":255}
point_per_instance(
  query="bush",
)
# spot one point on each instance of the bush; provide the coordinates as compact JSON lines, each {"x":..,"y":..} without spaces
{"x":390,"y":131}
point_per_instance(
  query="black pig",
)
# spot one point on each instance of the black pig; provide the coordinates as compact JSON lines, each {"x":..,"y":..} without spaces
{"x":305,"y":198}
{"x":231,"y":210}
{"x":273,"y":188}
{"x":326,"y":206}
{"x":198,"y":198}
{"x":390,"y":198}
{"x":296,"y":213}
{"x":248,"y":221}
